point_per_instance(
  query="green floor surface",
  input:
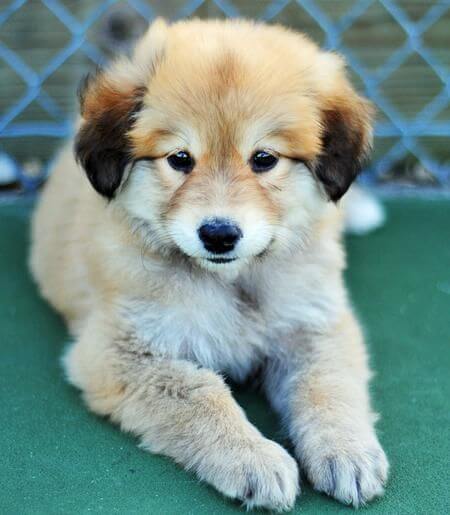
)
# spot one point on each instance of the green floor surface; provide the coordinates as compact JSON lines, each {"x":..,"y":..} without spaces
{"x":56,"y":458}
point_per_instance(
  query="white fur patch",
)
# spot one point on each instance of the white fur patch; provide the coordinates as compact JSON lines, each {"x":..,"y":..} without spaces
{"x":221,"y":333}
{"x":363,"y":212}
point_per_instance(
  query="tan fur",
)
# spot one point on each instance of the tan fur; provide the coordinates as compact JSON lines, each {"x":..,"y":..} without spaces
{"x":155,"y":324}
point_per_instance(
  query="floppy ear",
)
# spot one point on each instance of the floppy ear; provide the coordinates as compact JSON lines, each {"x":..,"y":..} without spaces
{"x":102,"y":146}
{"x":346,"y":134}
{"x":109,"y":104}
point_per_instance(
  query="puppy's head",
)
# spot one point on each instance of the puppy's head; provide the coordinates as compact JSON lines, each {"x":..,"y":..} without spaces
{"x":226,"y":138}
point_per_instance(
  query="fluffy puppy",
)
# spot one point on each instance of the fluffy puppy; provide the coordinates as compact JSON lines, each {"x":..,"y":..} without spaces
{"x":206,"y":243}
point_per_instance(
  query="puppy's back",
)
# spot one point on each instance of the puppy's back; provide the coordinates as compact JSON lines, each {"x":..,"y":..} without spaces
{"x":58,"y":237}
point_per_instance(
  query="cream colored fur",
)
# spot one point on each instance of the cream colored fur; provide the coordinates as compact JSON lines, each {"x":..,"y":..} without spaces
{"x":156,"y":326}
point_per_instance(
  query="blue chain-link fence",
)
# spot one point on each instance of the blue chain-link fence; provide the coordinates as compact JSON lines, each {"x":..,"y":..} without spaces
{"x":398,"y":52}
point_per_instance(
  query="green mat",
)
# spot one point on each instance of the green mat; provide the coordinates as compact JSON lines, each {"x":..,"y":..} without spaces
{"x":58,"y":458}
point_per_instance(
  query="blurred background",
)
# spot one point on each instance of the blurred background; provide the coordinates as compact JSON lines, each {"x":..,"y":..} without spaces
{"x":398,"y":52}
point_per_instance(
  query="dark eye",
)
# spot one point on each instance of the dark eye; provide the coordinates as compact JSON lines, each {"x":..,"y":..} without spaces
{"x":181,"y":161}
{"x":262,"y":161}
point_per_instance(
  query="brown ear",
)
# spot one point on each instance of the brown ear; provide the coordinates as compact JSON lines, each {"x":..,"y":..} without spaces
{"x":346,"y":142}
{"x":109,"y":103}
{"x":102,"y":146}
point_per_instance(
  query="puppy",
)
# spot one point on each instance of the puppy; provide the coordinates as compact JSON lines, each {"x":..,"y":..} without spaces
{"x":206,"y":243}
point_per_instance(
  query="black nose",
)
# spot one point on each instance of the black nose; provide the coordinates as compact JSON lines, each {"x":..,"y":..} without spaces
{"x":219,"y":236}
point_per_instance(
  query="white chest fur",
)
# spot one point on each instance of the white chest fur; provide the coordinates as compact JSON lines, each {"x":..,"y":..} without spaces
{"x":206,"y":322}
{"x":231,"y":326}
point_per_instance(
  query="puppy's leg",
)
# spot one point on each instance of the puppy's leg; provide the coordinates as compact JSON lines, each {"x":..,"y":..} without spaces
{"x":321,"y":391}
{"x":181,"y":411}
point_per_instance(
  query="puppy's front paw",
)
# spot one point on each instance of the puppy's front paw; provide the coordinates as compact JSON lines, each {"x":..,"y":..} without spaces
{"x":260,"y":474}
{"x":353,"y":471}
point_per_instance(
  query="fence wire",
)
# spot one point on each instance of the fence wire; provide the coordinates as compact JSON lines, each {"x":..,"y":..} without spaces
{"x":398,"y":53}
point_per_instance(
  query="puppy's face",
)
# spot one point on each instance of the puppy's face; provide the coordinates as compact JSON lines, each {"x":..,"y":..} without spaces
{"x":226,"y":139}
